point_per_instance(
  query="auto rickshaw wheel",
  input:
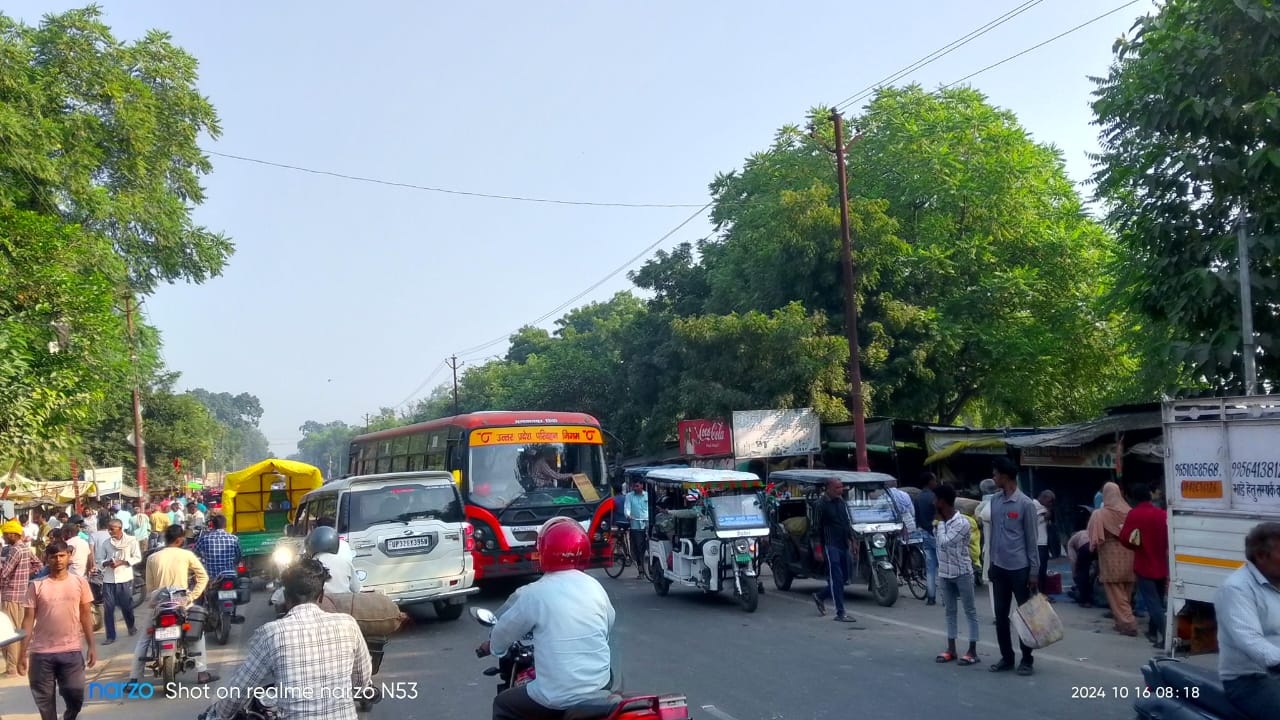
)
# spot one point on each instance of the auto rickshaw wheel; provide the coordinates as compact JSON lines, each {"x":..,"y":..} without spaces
{"x":749,"y":598}
{"x":885,"y":586}
{"x":781,"y":575}
{"x":660,"y":583}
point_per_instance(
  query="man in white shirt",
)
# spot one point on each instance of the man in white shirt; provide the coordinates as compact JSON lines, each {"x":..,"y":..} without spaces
{"x":344,"y":548}
{"x":571,"y":619}
{"x":322,"y":544}
{"x":1248,"y":609}
{"x":81,"y":554}
{"x":117,"y":556}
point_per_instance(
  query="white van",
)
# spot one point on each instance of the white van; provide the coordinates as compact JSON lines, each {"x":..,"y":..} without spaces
{"x":406,"y":531}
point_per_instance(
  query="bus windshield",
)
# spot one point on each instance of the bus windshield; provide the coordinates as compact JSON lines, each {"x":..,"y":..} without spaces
{"x":503,"y":476}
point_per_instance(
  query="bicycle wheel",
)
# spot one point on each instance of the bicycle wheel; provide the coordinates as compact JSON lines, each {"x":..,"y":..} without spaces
{"x":620,"y":561}
{"x":916,"y":578}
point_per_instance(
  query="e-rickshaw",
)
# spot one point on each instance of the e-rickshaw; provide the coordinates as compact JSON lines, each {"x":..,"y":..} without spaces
{"x":875,"y":520}
{"x":711,"y":542}
{"x":258,"y":502}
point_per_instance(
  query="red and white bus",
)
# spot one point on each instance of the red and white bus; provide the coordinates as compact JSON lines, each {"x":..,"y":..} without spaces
{"x":516,"y":470}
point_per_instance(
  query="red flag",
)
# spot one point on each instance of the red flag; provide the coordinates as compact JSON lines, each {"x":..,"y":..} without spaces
{"x":177,"y":465}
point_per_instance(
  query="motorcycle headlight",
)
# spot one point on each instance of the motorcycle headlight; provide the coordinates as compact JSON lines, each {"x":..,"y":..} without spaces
{"x":282,"y":556}
{"x":742,"y":545}
{"x":879,"y":540}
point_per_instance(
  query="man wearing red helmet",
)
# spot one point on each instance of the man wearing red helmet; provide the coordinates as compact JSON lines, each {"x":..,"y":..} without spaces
{"x":571,"y":619}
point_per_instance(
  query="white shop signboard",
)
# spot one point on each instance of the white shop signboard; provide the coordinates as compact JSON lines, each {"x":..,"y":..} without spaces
{"x":776,"y":433}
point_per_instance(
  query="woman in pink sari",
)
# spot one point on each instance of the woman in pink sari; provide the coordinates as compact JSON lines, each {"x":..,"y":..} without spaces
{"x":1115,"y":561}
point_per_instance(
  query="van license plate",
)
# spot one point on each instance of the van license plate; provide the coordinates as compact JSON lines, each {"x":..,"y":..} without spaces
{"x":168,"y":633}
{"x":409,"y":543}
{"x":879,"y":552}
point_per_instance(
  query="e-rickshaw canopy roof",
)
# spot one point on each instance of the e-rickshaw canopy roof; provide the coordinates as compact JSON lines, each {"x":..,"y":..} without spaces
{"x":300,"y":479}
{"x":820,"y":477}
{"x":702,"y":479}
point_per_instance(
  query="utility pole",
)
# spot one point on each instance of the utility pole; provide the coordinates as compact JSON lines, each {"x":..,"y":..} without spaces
{"x":1250,"y":350}
{"x":454,"y":364}
{"x":850,"y":300}
{"x":139,"y":452}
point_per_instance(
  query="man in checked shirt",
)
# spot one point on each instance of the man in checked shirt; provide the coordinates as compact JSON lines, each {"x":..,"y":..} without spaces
{"x":314,"y":659}
{"x":218,"y":549}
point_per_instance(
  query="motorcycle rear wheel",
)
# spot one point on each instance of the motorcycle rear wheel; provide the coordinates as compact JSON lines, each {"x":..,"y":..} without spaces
{"x":168,"y":671}
{"x":222,"y":629}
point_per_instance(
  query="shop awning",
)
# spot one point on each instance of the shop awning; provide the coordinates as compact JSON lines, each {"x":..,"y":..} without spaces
{"x":1085,"y":433}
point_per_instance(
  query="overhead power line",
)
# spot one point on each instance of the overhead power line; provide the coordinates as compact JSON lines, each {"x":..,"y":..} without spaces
{"x":439,"y":366}
{"x":649,"y":248}
{"x":1037,"y":46}
{"x":939,"y":53}
{"x":447,"y":191}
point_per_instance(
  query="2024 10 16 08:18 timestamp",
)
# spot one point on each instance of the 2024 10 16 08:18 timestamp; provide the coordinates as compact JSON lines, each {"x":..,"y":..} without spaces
{"x":1124,"y":692}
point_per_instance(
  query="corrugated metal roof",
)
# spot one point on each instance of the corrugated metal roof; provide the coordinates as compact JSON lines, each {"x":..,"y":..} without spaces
{"x":1084,"y":433}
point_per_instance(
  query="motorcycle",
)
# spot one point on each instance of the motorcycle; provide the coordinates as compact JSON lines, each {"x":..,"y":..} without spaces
{"x":516,"y":668}
{"x":174,"y":623}
{"x":1176,"y":690}
{"x":221,"y":600}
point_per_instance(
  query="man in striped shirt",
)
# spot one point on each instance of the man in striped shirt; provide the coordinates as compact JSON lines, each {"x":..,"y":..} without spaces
{"x":955,"y":572}
{"x":17,"y":565}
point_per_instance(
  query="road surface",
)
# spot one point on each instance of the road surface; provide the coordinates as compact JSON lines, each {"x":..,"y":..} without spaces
{"x":782,"y":662}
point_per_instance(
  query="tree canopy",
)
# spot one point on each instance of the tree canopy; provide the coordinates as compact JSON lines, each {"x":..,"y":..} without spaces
{"x":983,"y":290}
{"x":100,"y":170}
{"x":1190,"y":135}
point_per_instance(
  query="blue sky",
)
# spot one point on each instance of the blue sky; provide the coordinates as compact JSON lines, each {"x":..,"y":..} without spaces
{"x":343,"y":297}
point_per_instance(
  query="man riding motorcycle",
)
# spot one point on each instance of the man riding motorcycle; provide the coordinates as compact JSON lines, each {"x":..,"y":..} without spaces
{"x":322,"y":544}
{"x":308,"y":648}
{"x":571,"y":619}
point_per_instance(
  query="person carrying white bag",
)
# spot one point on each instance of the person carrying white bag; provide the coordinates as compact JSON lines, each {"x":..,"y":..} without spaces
{"x":1015,"y":560}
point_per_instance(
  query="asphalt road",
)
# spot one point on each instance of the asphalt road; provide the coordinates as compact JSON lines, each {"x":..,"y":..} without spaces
{"x":782,"y":662}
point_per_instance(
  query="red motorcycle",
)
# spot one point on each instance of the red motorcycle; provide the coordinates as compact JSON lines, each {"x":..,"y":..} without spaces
{"x":516,"y":668}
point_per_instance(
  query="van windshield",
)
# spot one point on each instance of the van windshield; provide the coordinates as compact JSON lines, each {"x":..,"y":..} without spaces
{"x":390,"y":504}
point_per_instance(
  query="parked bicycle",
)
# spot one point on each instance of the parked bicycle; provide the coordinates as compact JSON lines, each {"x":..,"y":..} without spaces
{"x":622,"y":557}
{"x":908,"y":560}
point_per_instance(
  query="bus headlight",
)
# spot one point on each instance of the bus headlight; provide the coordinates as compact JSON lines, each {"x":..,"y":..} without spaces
{"x":879,"y":540}
{"x":484,"y":538}
{"x":282,"y":556}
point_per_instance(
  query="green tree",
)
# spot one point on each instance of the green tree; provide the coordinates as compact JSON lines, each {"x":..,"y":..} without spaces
{"x":325,"y":446}
{"x":240,"y":442}
{"x":176,"y":426}
{"x":62,"y":341}
{"x":783,"y":359}
{"x":1190,"y":134}
{"x":980,"y":278}
{"x":105,"y":134}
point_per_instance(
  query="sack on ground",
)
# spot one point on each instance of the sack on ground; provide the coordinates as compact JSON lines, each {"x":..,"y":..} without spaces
{"x":1036,"y":623}
{"x":376,"y":613}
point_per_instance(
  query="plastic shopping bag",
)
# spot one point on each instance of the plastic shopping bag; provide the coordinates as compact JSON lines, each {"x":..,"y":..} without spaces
{"x":1036,"y":623}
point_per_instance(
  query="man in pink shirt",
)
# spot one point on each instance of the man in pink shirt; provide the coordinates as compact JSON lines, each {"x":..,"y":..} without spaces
{"x":57,"y":617}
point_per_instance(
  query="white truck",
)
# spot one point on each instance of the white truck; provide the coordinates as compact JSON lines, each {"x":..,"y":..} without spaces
{"x":1222,"y":477}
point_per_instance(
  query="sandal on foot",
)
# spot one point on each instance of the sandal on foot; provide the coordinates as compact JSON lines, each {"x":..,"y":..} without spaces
{"x":945,"y":657}
{"x":969,"y":659}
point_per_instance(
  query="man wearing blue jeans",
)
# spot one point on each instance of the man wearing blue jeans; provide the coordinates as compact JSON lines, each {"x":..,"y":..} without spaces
{"x":833,"y":536}
{"x":956,"y":573}
{"x":924,"y":505}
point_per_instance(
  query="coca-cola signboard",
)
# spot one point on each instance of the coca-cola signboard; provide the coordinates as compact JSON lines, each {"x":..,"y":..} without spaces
{"x":705,"y":438}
